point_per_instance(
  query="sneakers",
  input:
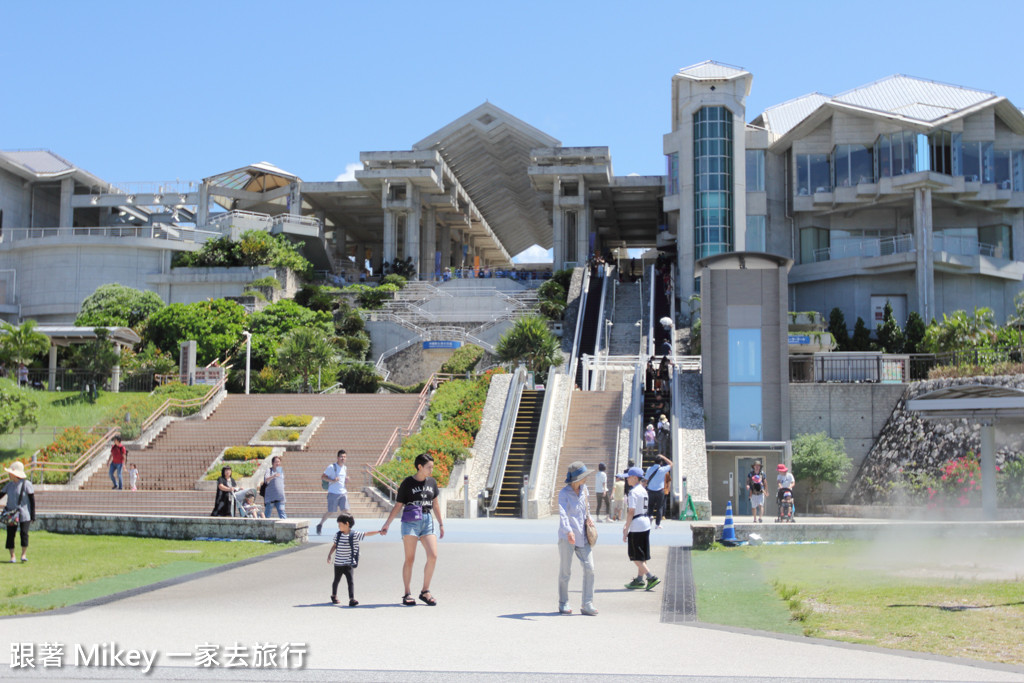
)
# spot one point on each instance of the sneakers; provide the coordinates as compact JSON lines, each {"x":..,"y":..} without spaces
{"x":334,"y":599}
{"x":319,"y":528}
{"x":353,"y":602}
{"x":589,"y":610}
{"x":652,"y":581}
{"x":636,"y":584}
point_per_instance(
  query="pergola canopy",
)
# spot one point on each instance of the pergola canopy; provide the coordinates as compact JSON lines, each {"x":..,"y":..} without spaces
{"x":66,"y":335}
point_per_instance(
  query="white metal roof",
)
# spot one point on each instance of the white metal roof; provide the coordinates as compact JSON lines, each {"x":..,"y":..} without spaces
{"x":712,"y":71}
{"x":39,"y":162}
{"x":915,"y":98}
{"x":781,"y":118}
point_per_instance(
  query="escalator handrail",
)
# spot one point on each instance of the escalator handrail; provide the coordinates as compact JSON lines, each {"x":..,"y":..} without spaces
{"x":601,"y":326}
{"x":650,"y":308}
{"x":637,"y":403}
{"x":573,"y":358}
{"x":505,"y":430}
{"x":544,"y":430}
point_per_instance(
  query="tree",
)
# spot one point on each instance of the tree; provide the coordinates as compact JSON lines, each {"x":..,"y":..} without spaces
{"x":861,"y":340}
{"x":961,"y":330}
{"x":305,"y":351}
{"x":914,"y":333}
{"x":115,"y":305}
{"x":216,"y":325}
{"x":270,"y":325}
{"x":359,"y":378}
{"x":17,"y":408}
{"x":531,"y":342}
{"x":23,"y":343}
{"x":890,"y":336}
{"x":837,"y":327}
{"x":817,"y":461}
{"x":96,"y":358}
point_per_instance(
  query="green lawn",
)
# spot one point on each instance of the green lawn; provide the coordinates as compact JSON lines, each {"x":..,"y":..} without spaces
{"x":949,"y":597}
{"x":65,"y":569}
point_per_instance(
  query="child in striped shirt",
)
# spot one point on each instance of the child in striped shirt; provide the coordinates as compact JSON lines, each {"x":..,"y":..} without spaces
{"x":345,"y":553}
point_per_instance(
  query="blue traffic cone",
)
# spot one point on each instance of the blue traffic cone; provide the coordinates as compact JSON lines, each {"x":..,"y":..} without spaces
{"x":728,"y":531}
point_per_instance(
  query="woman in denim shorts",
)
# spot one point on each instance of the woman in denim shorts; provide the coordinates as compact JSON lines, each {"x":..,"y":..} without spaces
{"x":415,"y":502}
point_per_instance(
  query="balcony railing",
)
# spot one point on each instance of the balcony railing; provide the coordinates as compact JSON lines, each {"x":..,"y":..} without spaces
{"x":964,"y":246}
{"x":159,"y":232}
{"x":853,"y":367}
{"x":883,"y":246}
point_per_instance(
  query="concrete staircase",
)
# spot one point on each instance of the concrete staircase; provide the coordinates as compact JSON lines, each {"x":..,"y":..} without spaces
{"x":175,"y":460}
{"x":591,"y":436}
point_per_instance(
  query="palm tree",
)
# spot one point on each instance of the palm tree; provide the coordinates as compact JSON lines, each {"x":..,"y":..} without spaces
{"x":305,"y":350}
{"x":531,"y":342}
{"x":23,"y":343}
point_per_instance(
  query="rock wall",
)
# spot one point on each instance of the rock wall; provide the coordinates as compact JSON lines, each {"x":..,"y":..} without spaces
{"x":174,"y":527}
{"x":911,"y":444}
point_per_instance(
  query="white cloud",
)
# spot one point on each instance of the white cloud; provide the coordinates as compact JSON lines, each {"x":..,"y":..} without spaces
{"x":350,"y":172}
{"x":535,"y":254}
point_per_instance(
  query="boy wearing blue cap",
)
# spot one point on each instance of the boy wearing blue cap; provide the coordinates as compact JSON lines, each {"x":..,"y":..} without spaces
{"x":637,"y":532}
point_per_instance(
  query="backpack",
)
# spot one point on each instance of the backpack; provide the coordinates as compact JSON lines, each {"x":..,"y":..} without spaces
{"x":755,"y":484}
{"x":353,"y":550}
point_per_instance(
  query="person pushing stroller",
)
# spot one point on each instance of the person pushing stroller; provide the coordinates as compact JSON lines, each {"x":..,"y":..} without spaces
{"x":786,"y":483}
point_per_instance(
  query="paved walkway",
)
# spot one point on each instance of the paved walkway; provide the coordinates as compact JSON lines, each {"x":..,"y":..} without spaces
{"x":496,"y":621}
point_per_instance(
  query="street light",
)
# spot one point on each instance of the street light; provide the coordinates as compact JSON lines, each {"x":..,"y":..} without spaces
{"x":248,"y":349}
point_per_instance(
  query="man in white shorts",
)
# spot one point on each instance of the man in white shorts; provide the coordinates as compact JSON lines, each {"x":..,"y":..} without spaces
{"x":337,"y":495}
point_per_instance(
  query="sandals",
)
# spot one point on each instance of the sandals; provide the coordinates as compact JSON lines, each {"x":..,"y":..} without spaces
{"x":334,"y":599}
{"x":408,"y":600}
{"x":426,"y":597}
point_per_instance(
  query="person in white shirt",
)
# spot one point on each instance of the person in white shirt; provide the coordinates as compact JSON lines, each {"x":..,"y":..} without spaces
{"x":337,"y":495}
{"x":786,"y":482}
{"x":637,"y":531}
{"x":603,"y":493}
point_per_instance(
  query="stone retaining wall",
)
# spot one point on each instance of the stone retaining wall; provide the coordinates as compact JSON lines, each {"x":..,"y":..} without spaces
{"x":891,"y":531}
{"x":174,"y":527}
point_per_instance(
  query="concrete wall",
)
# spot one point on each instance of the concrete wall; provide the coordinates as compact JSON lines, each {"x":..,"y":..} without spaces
{"x":174,"y":527}
{"x":857,"y":413}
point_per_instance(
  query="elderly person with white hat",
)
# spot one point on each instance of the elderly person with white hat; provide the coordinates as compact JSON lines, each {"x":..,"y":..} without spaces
{"x":573,"y":514}
{"x":20,"y":509}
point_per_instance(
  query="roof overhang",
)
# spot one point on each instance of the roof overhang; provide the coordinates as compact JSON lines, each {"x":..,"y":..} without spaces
{"x":66,"y":335}
{"x":975,"y":402}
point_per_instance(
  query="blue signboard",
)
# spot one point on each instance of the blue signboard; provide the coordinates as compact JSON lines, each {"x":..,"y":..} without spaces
{"x":441,"y":344}
{"x":797,"y":339}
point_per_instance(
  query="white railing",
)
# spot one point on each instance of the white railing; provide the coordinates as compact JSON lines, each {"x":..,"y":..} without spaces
{"x":159,"y":232}
{"x":155,"y":187}
{"x":873,"y":248}
{"x":243,"y":220}
{"x":285,"y":219}
{"x":964,"y":246}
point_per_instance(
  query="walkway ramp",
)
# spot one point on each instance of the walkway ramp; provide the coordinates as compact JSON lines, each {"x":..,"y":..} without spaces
{"x":591,"y":436}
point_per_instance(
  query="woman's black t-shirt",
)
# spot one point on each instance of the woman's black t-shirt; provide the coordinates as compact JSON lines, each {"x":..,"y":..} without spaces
{"x":414,"y":492}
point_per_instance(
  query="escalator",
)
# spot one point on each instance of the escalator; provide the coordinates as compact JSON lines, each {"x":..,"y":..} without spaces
{"x":589,"y":325}
{"x":520,"y":454}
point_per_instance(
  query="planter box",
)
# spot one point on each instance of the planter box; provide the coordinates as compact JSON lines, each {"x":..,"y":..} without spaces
{"x":244,"y":482}
{"x":304,"y":436}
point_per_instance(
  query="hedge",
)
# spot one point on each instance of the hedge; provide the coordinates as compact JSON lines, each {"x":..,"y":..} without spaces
{"x":280,"y":435}
{"x":237,"y":453}
{"x":291,"y":421}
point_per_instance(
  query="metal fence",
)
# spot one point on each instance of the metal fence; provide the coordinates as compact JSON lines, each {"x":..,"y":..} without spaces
{"x":890,"y":368}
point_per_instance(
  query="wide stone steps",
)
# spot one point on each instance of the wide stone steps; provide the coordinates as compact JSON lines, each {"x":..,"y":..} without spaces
{"x":591,"y":437}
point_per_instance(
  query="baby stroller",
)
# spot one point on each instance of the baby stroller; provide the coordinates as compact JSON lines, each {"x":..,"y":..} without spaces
{"x":786,"y":505}
{"x":239,"y":504}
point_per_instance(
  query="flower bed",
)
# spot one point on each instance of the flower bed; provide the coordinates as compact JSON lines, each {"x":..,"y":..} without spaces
{"x":280,"y":435}
{"x":291,"y":421}
{"x":237,"y":453}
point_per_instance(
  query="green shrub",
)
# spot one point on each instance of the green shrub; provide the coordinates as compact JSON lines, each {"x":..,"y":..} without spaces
{"x":373,"y":297}
{"x":239,"y":470}
{"x":291,"y":421}
{"x":243,"y":453}
{"x":463,"y":360}
{"x":394,"y":279}
{"x":268,"y":281}
{"x":280,"y":435}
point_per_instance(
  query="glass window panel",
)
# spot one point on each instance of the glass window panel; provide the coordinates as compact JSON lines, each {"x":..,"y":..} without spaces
{"x":841,"y":165}
{"x":987,"y":163}
{"x":923,"y":161}
{"x":756,"y":233}
{"x":821,"y":176}
{"x":745,"y":415}
{"x":1018,"y":171}
{"x":745,"y":355}
{"x":883,"y":153}
{"x":1001,"y":169}
{"x":971,"y":161}
{"x":996,"y":237}
{"x":860,"y":164}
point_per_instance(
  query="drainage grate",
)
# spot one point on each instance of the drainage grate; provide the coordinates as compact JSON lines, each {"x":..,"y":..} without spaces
{"x":679,"y":605}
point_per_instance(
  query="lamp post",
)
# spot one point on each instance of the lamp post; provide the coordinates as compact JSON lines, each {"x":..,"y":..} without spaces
{"x":248,"y":350}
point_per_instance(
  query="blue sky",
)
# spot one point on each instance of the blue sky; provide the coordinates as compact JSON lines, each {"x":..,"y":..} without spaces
{"x":141,"y":91}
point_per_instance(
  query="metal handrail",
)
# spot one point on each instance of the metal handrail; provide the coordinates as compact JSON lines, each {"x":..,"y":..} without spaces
{"x":506,"y":428}
{"x":73,"y":468}
{"x":650,"y":308}
{"x":180,"y":403}
{"x":637,"y":405}
{"x":573,"y":356}
{"x":179,"y":234}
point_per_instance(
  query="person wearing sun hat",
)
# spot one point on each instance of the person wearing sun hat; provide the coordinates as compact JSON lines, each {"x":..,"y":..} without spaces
{"x":21,"y":497}
{"x":785,"y":480}
{"x":573,"y":510}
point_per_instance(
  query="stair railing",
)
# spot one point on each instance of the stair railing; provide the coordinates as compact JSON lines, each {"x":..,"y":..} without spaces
{"x":504,"y":440}
{"x":71,"y":468}
{"x":180,"y":404}
{"x":573,"y":357}
{"x":547,"y":415}
{"x":637,"y":411}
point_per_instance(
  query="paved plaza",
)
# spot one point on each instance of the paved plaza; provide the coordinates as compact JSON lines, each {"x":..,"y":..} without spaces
{"x":496,"y":621}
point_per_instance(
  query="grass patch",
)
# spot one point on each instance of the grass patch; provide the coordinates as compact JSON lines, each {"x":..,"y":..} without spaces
{"x":239,"y":470}
{"x":958,"y":598}
{"x":104,"y":565}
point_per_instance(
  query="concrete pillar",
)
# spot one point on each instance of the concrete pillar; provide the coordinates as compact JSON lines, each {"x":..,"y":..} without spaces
{"x":376,"y":255}
{"x":203,"y":210}
{"x":446,"y":245}
{"x":413,"y":228}
{"x":390,"y":246}
{"x":428,"y":245}
{"x":295,"y":199}
{"x":925,"y":265}
{"x":67,"y":213}
{"x":115,"y":372}
{"x":988,"y":470}
{"x":557,"y":227}
{"x":583,"y":226}
{"x":51,"y":382}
